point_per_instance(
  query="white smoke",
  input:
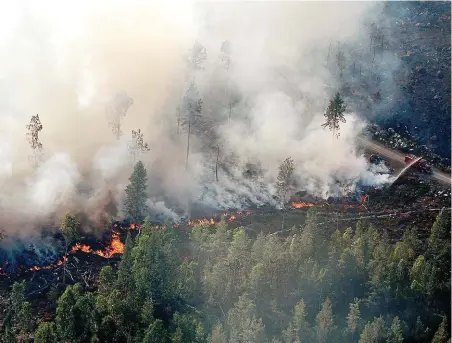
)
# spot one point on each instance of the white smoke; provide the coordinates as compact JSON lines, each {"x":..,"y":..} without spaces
{"x":53,"y":182}
{"x":66,"y":61}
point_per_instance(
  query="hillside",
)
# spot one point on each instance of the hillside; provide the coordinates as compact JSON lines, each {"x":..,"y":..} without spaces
{"x":226,"y":172}
{"x":421,"y":39}
{"x":401,"y":217}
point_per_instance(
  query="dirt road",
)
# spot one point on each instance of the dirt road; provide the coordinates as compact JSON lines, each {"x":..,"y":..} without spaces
{"x":399,"y":157}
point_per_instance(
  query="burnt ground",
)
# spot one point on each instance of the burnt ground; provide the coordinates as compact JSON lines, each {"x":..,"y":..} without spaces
{"x":411,"y":201}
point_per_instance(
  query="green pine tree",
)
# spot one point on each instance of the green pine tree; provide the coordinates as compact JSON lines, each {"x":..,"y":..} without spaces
{"x":24,"y":319}
{"x":135,"y":203}
{"x":395,"y":333}
{"x":70,"y":230}
{"x":335,"y":114}
{"x":46,"y":333}
{"x":353,"y":318}
{"x":284,"y":184}
{"x":441,"y":335}
{"x":438,"y":250}
{"x":125,"y":279}
{"x":156,"y":333}
{"x":324,"y":322}
{"x":218,"y":335}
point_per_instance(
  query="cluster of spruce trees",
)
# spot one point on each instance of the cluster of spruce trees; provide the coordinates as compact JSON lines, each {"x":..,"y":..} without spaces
{"x":211,"y":284}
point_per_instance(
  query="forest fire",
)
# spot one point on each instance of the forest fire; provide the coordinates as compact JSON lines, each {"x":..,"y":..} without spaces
{"x":201,"y":221}
{"x":115,"y":247}
{"x":228,"y":217}
{"x":301,"y":204}
{"x":50,"y":266}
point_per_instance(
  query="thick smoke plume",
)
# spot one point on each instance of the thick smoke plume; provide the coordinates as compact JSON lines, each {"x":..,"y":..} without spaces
{"x":67,"y":62}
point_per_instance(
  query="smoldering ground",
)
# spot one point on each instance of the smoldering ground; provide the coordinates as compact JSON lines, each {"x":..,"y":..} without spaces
{"x":67,"y":61}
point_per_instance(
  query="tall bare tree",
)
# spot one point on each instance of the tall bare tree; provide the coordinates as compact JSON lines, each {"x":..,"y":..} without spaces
{"x":34,"y":128}
{"x":340,"y":60}
{"x":335,"y":114}
{"x":226,"y":54}
{"x":284,"y":183}
{"x":192,"y":109}
{"x":195,"y":62}
{"x":137,"y":145}
{"x":197,"y":57}
{"x":328,"y":55}
{"x":116,"y":111}
{"x":226,"y":59}
{"x":217,"y":160}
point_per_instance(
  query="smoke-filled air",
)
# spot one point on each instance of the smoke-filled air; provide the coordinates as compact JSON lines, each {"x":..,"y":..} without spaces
{"x":221,"y":92}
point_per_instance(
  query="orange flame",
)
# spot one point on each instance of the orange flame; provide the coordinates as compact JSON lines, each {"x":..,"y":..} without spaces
{"x":115,"y":247}
{"x":82,"y":247}
{"x":229,"y":217}
{"x":364,"y":199}
{"x":50,"y":266}
{"x":301,"y":204}
{"x":232,"y":218}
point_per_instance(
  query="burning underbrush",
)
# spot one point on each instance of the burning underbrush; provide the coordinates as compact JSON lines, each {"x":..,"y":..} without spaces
{"x":48,"y":252}
{"x":21,"y":256}
{"x":25,"y":256}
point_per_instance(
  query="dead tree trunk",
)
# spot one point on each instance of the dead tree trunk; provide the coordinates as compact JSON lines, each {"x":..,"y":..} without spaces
{"x":328,"y":56}
{"x":179,"y":117}
{"x":283,"y":218}
{"x":64,"y":264}
{"x":216,"y":163}
{"x":228,"y":92}
{"x":188,"y":141}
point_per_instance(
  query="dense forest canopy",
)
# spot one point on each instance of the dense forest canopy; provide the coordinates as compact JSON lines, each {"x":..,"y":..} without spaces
{"x":145,"y":110}
{"x":211,"y":284}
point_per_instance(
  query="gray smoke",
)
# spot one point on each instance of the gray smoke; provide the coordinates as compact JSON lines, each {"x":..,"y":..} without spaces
{"x":68,"y":61}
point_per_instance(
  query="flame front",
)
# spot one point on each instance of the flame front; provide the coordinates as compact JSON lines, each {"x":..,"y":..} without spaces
{"x":301,"y":204}
{"x":228,"y":217}
{"x":115,"y":247}
{"x":50,"y":266}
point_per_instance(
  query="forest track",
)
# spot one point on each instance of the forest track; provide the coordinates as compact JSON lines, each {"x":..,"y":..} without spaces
{"x":396,"y":156}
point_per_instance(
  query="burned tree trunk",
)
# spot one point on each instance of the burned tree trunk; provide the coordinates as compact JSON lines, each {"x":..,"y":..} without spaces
{"x":216,"y":163}
{"x":192,"y":107}
{"x":188,"y":142}
{"x":179,"y":118}
{"x":328,"y":56}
